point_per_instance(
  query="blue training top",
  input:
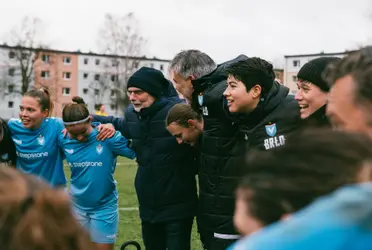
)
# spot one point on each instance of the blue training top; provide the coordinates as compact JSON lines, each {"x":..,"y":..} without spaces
{"x":92,"y":166}
{"x":37,"y":149}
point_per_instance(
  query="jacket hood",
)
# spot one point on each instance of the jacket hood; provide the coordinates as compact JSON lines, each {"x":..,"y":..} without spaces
{"x":219,"y":74}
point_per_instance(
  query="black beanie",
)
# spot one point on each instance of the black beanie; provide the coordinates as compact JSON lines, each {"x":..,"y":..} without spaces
{"x":313,"y":71}
{"x":149,"y":80}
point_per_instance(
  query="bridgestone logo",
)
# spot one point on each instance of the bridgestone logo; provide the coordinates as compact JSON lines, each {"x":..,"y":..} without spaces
{"x":32,"y":155}
{"x":86,"y":164}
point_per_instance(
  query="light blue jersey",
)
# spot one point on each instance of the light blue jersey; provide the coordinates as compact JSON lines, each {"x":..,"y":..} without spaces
{"x":92,"y":166}
{"x":339,"y":221}
{"x":37,"y":149}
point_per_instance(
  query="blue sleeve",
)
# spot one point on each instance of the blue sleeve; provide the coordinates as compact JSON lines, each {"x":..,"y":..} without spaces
{"x":119,"y":123}
{"x":120,"y":146}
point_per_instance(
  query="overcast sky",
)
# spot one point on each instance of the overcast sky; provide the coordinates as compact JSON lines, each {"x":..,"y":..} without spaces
{"x":221,"y":28}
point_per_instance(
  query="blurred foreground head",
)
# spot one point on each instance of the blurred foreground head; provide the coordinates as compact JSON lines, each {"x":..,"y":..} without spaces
{"x":350,"y":98}
{"x":35,"y":216}
{"x":286,"y":179}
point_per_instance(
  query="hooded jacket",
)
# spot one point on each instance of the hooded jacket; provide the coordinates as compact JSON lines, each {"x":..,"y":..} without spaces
{"x":318,"y":119}
{"x":165,"y":180}
{"x":217,"y":148}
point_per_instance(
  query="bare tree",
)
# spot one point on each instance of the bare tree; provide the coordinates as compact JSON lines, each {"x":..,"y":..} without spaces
{"x":120,"y":37}
{"x":20,"y":53}
{"x":99,"y":88}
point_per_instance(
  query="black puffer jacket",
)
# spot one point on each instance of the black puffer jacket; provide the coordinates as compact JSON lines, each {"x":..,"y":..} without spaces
{"x":318,"y":119}
{"x":217,"y":148}
{"x":165,"y":180}
{"x":7,"y":148}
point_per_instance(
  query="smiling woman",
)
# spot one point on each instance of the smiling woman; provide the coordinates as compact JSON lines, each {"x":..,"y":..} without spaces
{"x":313,"y":90}
{"x":35,"y":134}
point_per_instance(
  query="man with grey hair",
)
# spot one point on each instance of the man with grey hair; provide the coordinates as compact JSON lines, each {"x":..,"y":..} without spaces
{"x":202,"y":82}
{"x":350,"y":98}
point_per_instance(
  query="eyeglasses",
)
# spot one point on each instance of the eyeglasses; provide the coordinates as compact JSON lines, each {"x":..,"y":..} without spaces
{"x":135,"y":92}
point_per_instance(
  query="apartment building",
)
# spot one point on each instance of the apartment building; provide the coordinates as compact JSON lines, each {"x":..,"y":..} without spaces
{"x":11,"y":62}
{"x":66,"y":74}
{"x":57,"y":70}
{"x":279,"y":75}
{"x":293,"y":64}
{"x":99,"y":76}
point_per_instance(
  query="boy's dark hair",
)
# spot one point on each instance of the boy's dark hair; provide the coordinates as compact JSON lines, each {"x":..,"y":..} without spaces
{"x":253,"y":71}
{"x":310,"y":164}
{"x":181,"y":113}
{"x":358,"y":65}
{"x":75,"y":111}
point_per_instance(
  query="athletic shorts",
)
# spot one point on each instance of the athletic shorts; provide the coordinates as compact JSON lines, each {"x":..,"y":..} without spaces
{"x":102,"y":224}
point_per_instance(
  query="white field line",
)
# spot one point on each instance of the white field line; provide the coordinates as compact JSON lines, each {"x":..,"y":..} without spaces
{"x":128,"y":208}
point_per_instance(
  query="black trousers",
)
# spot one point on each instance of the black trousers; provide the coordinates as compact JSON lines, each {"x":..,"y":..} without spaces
{"x":172,"y":235}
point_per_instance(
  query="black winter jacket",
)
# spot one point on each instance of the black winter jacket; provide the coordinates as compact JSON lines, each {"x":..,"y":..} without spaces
{"x":7,"y":148}
{"x":217,"y":147}
{"x":318,"y":119}
{"x":165,"y":180}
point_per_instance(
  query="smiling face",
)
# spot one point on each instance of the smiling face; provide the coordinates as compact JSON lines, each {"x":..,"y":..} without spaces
{"x":238,"y":99}
{"x":310,"y":98}
{"x":31,"y":113}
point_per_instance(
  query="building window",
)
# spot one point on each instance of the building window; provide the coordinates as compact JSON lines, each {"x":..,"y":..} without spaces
{"x":296,"y":63}
{"x":45,"y":58}
{"x":65,"y":91}
{"x":161,"y":67}
{"x":114,"y":78}
{"x":11,"y":72}
{"x":66,"y":75}
{"x":113,"y":93}
{"x":96,"y":77}
{"x":85,"y":75}
{"x":97,"y":61}
{"x":135,"y":65}
{"x":86,"y":61}
{"x":10,"y":104}
{"x":294,"y":78}
{"x":85,"y":91}
{"x":96,"y":93}
{"x":45,"y":74}
{"x":114,"y":63}
{"x":67,"y":60}
{"x":10,"y":89}
{"x":113,"y":107}
{"x":11,"y":54}
{"x":24,"y":56}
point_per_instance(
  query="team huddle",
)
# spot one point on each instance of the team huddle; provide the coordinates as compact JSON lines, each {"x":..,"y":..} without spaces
{"x":247,"y":139}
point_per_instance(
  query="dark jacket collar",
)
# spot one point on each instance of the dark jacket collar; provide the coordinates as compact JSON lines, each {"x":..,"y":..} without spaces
{"x":318,"y":118}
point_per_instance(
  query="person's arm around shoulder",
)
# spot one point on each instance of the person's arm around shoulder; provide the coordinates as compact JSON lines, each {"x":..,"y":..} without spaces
{"x":121,"y":146}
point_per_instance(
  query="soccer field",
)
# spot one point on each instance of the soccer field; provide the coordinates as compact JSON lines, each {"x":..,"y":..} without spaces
{"x":130,"y":225}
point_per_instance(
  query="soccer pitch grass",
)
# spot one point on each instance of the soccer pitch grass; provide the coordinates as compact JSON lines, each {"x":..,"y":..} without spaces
{"x":129,"y":222}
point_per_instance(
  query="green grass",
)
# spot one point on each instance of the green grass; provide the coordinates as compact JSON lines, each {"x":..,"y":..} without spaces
{"x":129,"y":222}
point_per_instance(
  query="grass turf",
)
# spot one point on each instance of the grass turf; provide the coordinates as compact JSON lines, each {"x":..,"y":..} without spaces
{"x":129,"y":222}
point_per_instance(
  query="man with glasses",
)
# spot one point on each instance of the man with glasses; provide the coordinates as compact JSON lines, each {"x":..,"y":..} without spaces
{"x":165,"y":180}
